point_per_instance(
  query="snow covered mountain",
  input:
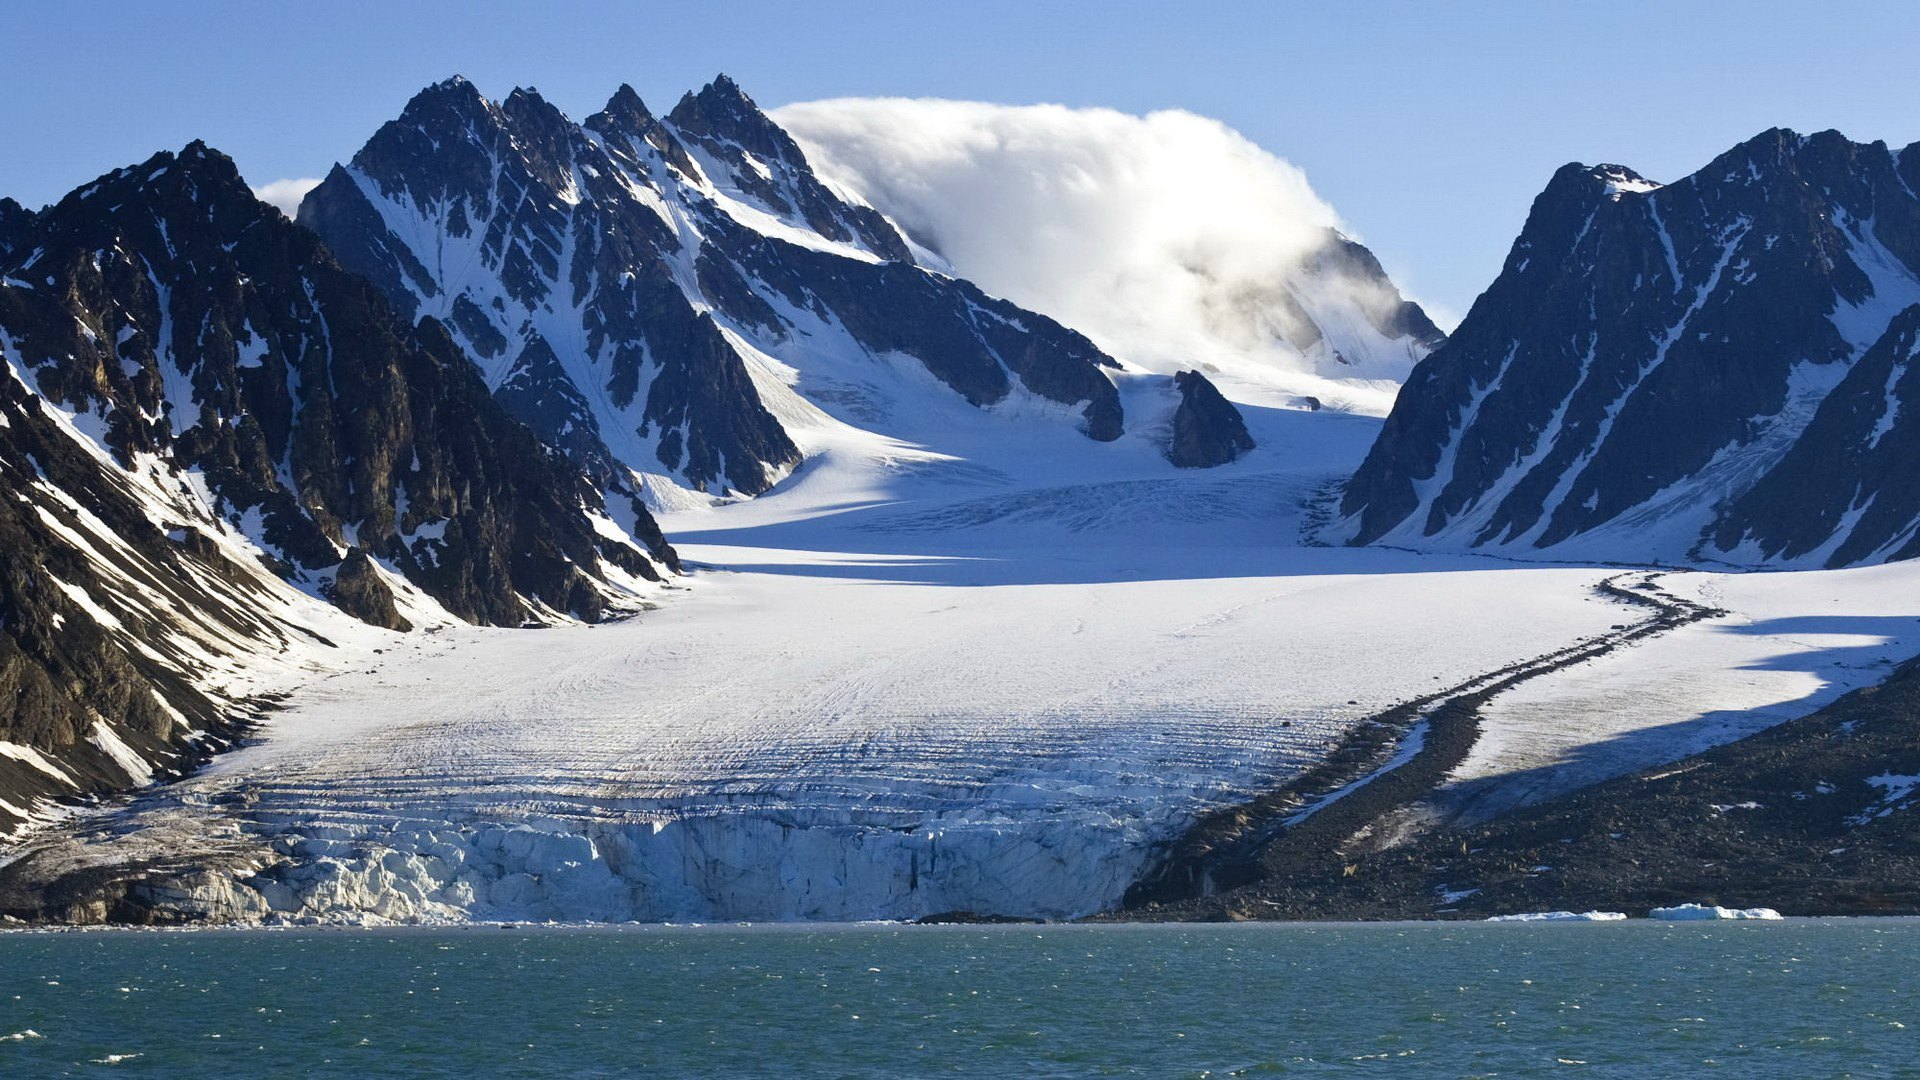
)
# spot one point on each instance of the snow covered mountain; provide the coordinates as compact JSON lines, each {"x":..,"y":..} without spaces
{"x":674,"y":299}
{"x":1169,"y":239}
{"x":1713,"y":369}
{"x":208,"y":428}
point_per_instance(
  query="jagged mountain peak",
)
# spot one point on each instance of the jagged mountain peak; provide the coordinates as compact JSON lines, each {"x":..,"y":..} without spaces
{"x":526,"y":103}
{"x":452,"y":92}
{"x":1617,"y":181}
{"x":624,"y":113}
{"x":188,"y":207}
{"x":14,"y":220}
{"x":450,"y":105}
{"x":198,"y":170}
{"x":627,"y":117}
{"x":1649,"y":356}
{"x":622,"y":282}
{"x":722,"y":112}
{"x":722,"y":97}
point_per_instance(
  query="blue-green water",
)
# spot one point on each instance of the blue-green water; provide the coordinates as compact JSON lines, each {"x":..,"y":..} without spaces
{"x":1793,"y":999}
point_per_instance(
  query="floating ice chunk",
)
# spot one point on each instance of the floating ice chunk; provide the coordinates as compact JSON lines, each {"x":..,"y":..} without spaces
{"x":1561,"y":916}
{"x":1690,"y":912}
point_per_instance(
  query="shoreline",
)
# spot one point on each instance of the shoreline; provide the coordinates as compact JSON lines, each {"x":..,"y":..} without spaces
{"x":1125,"y":926}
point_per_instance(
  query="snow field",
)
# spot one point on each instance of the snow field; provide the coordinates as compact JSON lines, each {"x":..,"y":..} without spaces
{"x":1793,"y":642}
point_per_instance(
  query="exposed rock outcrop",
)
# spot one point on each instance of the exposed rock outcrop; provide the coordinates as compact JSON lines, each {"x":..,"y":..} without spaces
{"x":1207,"y":429}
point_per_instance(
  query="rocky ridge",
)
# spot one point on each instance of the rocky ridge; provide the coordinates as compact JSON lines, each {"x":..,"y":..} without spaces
{"x":207,"y":417}
{"x":1658,"y":369}
{"x":645,"y":291}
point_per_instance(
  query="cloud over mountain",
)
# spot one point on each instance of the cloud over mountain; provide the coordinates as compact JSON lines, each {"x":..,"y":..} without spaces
{"x":286,"y":193}
{"x":1168,"y":238}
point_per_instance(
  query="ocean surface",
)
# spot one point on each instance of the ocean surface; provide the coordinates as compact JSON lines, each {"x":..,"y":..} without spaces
{"x":1801,"y":998}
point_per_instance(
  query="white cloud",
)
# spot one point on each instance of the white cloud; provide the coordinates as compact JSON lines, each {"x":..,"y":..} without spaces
{"x":1168,"y":238}
{"x":286,"y":193}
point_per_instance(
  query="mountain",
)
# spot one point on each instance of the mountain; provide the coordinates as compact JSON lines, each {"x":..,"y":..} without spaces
{"x":670,"y":299}
{"x":1712,"y":369}
{"x":1348,"y":318}
{"x":207,"y":428}
{"x":13,"y":221}
{"x":1171,"y":240}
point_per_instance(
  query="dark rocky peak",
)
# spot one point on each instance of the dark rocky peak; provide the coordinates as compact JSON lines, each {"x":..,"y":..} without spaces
{"x":442,"y":148}
{"x":449,"y":99}
{"x":543,"y":135}
{"x":14,"y":220}
{"x":1774,"y":146}
{"x":181,"y":211}
{"x":197,"y":174}
{"x":1648,"y":353}
{"x":1207,"y":429}
{"x":1618,"y":181}
{"x":722,"y":111}
{"x":722,"y":121}
{"x":722,"y":108}
{"x":1577,"y":185}
{"x":1798,"y":171}
{"x":533,"y":119}
{"x":626,"y":117}
{"x":624,"y":113}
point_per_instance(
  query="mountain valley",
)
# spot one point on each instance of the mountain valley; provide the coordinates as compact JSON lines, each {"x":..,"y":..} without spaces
{"x":647,"y":519}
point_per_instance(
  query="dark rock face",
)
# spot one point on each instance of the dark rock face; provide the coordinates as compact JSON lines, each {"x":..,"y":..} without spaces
{"x":725,"y":123}
{"x":356,"y":589}
{"x":607,"y":281}
{"x":14,"y":219}
{"x":86,"y":574}
{"x":602,"y":352}
{"x":1849,"y":481}
{"x":1207,"y":429}
{"x":200,"y":327}
{"x":1649,"y":354}
{"x":201,"y":403}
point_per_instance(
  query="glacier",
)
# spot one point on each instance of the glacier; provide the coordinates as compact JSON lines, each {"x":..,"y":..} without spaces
{"x":995,"y":677}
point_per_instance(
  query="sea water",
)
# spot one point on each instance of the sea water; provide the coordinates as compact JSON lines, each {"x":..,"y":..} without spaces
{"x":1800,"y":998}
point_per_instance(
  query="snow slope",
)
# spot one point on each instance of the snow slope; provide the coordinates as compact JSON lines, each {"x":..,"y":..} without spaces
{"x":1793,"y":643}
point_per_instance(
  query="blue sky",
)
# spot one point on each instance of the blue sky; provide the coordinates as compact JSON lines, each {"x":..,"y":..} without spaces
{"x":1429,"y":127}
